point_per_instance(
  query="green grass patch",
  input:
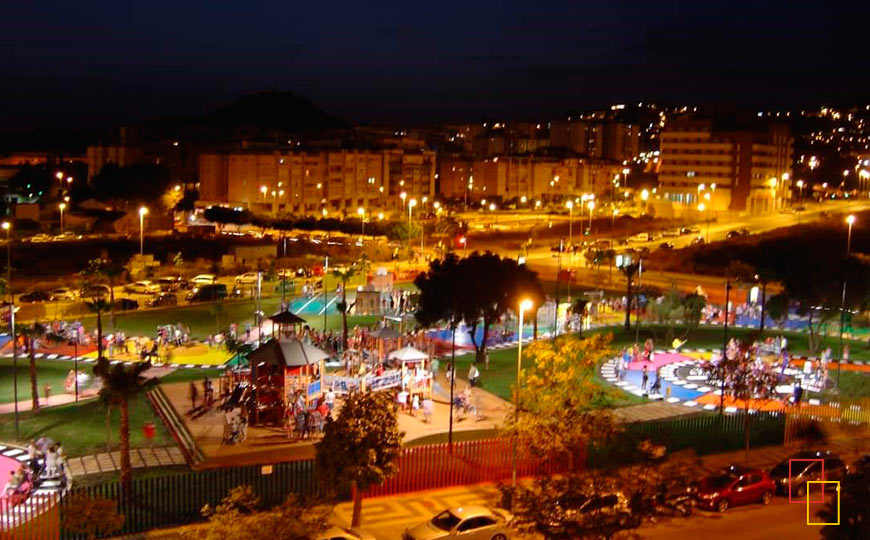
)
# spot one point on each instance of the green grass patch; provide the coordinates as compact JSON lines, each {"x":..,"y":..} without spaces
{"x":501,"y":375}
{"x":853,"y":386}
{"x":51,"y":372}
{"x":458,"y":436}
{"x":81,"y":427}
{"x":184,"y":375}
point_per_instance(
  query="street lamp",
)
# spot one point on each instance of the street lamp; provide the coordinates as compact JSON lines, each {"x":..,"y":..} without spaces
{"x":403,"y":196}
{"x":62,"y":207}
{"x":7,"y":226}
{"x":411,"y":204}
{"x":701,"y":187}
{"x":570,"y":205}
{"x":362,"y":214}
{"x":142,"y":212}
{"x":525,"y":305}
{"x":850,"y":220}
{"x":264,"y":190}
{"x":613,"y":218}
{"x":591,"y":206}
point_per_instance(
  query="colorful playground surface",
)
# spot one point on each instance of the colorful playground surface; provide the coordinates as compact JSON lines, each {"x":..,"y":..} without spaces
{"x":683,"y":380}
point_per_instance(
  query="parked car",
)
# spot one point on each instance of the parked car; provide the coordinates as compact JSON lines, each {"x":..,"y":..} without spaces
{"x":92,"y":290}
{"x":735,"y":486}
{"x":613,"y":507}
{"x":34,"y":296}
{"x":467,"y":522}
{"x":126,"y":304}
{"x":666,"y":245}
{"x":804,"y":471}
{"x":340,"y":533}
{"x":671,"y":233}
{"x":163,"y":300}
{"x":204,"y":279}
{"x":697,"y":240}
{"x":142,"y":287}
{"x":40,"y":238}
{"x":737,"y":233}
{"x":206,"y":293}
{"x":63,"y":294}
{"x":169,"y":283}
{"x":689,"y":230}
{"x":248,"y":278}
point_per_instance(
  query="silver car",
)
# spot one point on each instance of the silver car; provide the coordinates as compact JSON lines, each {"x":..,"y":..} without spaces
{"x":340,"y":533}
{"x":466,"y":523}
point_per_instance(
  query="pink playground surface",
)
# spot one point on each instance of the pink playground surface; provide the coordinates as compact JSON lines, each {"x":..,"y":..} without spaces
{"x":659,"y":360}
{"x":7,"y":465}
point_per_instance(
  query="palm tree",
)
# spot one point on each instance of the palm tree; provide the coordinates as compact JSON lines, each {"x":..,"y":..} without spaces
{"x":344,"y":275}
{"x":120,"y":384}
{"x":98,"y":306}
{"x":31,"y":333}
{"x":106,"y":270}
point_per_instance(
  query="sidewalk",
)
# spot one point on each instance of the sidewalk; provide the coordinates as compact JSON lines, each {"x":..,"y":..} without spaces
{"x":52,"y":401}
{"x":106,"y":462}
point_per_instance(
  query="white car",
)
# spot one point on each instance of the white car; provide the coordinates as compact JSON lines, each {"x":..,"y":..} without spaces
{"x":204,"y":279}
{"x":248,"y":278}
{"x":143,"y":287}
{"x":465,"y":523}
{"x":63,"y":293}
{"x":340,"y":533}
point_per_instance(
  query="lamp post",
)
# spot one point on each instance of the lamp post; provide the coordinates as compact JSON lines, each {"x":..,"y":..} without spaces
{"x":62,"y":207}
{"x":570,"y":205}
{"x":411,"y":204}
{"x":362,"y":216}
{"x":524,"y":305}
{"x":142,"y":212}
{"x":701,"y":208}
{"x":7,"y":226}
{"x":850,"y":220}
{"x":613,"y":219}
{"x":591,"y":206}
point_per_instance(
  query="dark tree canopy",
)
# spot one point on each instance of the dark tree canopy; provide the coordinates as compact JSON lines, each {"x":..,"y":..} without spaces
{"x":141,"y":183}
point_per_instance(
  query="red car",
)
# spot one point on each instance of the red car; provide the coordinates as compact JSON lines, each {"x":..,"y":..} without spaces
{"x":735,"y":486}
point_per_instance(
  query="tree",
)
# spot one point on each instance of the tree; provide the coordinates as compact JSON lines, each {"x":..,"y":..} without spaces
{"x":777,"y":307}
{"x":742,"y":380}
{"x":850,"y":508}
{"x":224,"y":216}
{"x":345,"y":275}
{"x":102,"y":270}
{"x":359,"y":449}
{"x":31,"y":334}
{"x":99,"y":306}
{"x":579,"y":308}
{"x":120,"y":384}
{"x":95,"y":517}
{"x":674,"y":308}
{"x":629,"y":270}
{"x":239,"y":516}
{"x":560,"y":403}
{"x":491,"y":287}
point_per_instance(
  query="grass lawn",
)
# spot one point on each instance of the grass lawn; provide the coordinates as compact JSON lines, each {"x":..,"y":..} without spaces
{"x":501,"y":376}
{"x":82,"y":427}
{"x":51,"y":372}
{"x":202,"y":321}
{"x":458,"y":436}
{"x":708,"y":337}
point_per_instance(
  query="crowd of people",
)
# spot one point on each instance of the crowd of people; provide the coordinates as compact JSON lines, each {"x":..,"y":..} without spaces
{"x":46,"y":460}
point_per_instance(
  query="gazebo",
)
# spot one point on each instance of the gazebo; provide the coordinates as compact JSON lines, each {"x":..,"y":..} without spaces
{"x":284,"y":369}
{"x":287,"y":324}
{"x":416,"y":377}
{"x":382,"y":334}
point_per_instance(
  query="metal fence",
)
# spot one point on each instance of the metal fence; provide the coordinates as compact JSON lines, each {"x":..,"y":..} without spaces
{"x":178,"y":499}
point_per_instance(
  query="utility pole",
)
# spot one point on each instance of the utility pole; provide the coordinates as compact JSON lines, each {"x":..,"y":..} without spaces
{"x":724,"y":348}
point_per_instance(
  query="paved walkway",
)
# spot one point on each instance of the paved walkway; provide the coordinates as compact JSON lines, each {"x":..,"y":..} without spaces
{"x":107,"y":462}
{"x":52,"y":401}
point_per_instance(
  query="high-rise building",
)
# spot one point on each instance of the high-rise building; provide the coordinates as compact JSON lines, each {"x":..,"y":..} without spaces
{"x":731,"y":168}
{"x":329,"y":181}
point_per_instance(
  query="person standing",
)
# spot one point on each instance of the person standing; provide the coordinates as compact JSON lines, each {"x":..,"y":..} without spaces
{"x":194,"y":395}
{"x":644,"y":378}
{"x":473,"y":375}
{"x":330,"y":398}
{"x":798,"y":394}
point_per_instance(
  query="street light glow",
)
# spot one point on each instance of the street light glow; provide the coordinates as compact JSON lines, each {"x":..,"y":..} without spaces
{"x":361,"y":211}
{"x":569,"y":205}
{"x":143,"y":211}
{"x":850,"y":219}
{"x":644,"y":195}
{"x":6,"y":225}
{"x":525,"y":304}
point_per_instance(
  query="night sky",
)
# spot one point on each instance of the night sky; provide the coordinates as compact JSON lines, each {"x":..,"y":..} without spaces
{"x":103,"y":62}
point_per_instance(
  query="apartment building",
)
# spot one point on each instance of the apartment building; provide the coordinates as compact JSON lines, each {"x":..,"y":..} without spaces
{"x":317,"y":182}
{"x":745,"y":168}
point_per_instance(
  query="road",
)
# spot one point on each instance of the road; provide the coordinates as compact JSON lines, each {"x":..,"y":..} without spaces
{"x":755,"y":522}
